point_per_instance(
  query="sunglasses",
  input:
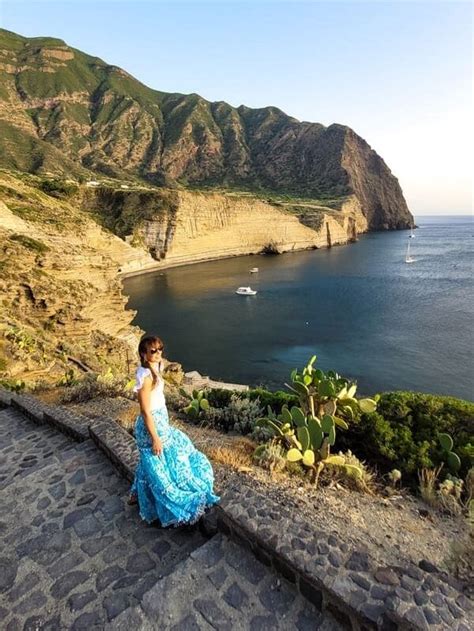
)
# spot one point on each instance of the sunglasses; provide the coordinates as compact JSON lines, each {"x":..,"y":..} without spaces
{"x":155,"y":350}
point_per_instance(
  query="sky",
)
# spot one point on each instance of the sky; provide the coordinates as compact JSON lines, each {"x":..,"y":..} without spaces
{"x":398,"y":73}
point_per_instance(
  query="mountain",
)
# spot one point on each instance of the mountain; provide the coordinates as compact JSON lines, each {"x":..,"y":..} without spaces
{"x":64,"y":112}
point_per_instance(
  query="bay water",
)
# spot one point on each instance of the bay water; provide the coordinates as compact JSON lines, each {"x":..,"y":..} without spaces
{"x":363,"y":310}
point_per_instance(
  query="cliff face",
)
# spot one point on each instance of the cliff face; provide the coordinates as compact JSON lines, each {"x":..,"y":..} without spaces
{"x":64,"y":112}
{"x":61,"y":296}
{"x":377,"y":191}
{"x":215,"y":226}
{"x":179,"y":227}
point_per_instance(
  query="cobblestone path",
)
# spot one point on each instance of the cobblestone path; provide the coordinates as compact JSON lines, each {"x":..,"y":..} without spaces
{"x":74,"y":555}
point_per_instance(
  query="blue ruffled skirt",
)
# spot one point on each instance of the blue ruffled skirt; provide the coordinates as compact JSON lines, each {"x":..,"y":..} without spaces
{"x":175,"y":487}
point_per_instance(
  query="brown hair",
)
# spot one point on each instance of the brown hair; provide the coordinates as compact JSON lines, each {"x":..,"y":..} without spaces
{"x":143,"y":346}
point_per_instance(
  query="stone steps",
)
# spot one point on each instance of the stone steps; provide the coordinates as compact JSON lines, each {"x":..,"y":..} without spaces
{"x":344,"y":583}
{"x":221,"y":586}
{"x":73,"y":554}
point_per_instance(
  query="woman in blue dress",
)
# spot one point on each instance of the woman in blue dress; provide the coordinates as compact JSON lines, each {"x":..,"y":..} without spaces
{"x":173,"y":480}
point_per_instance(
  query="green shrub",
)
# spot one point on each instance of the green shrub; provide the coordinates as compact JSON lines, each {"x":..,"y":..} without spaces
{"x":58,"y":188}
{"x":220,"y":398}
{"x":404,"y":433}
{"x":239,"y":416}
{"x":22,"y":340}
{"x":276,"y":400}
{"x":15,"y":385}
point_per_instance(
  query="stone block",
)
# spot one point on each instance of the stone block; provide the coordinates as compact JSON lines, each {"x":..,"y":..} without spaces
{"x":235,"y":596}
{"x":79,"y":601}
{"x":65,"y":584}
{"x":8,"y":572}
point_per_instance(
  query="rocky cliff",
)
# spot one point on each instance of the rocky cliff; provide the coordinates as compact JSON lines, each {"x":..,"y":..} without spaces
{"x":65,"y":112}
{"x":62,"y":305}
{"x":179,"y":227}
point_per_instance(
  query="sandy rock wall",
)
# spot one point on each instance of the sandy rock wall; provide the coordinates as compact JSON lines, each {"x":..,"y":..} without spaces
{"x":211,"y":226}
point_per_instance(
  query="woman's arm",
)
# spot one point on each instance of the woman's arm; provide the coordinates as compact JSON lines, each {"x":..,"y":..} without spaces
{"x":144,"y":396}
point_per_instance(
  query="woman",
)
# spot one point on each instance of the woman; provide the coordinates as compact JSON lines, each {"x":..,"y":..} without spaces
{"x":173,"y":480}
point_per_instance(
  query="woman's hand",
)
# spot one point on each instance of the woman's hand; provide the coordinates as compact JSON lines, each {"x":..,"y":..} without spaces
{"x":156,"y":446}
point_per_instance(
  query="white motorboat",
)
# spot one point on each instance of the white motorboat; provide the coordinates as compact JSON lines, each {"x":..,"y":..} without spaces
{"x":254,"y":270}
{"x":245,"y":291}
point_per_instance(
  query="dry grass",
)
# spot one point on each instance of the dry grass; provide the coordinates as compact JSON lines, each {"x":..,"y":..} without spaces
{"x":51,"y":396}
{"x":126,"y":417}
{"x":231,"y":457}
{"x":428,"y":479}
{"x":236,"y":454}
{"x":232,"y":451}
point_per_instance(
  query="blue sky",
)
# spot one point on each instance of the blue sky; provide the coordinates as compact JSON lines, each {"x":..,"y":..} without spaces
{"x":398,"y":73}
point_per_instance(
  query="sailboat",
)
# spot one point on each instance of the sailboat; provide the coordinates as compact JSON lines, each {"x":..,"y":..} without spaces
{"x":408,"y":258}
{"x":412,"y":233}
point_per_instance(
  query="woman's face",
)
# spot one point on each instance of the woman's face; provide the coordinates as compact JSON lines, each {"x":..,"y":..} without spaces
{"x":153,"y":352}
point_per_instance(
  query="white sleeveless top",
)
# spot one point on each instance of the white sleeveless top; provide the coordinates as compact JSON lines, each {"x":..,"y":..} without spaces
{"x":157,"y":396}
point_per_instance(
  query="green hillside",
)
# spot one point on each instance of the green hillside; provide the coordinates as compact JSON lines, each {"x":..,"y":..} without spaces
{"x":67,"y":113}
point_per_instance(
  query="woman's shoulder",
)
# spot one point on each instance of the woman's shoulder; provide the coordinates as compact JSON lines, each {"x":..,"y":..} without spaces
{"x":142,"y":372}
{"x":140,"y":375}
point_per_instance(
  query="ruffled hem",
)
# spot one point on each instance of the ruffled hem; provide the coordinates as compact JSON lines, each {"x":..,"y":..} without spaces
{"x":193,"y":515}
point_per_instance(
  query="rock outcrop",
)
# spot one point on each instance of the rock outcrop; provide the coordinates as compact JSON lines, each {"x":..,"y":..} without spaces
{"x":60,"y":291}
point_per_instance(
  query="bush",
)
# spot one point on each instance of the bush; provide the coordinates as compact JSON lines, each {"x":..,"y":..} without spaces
{"x":404,"y":433}
{"x":15,"y":385}
{"x":220,"y":398}
{"x":58,"y":188}
{"x":275,"y":400}
{"x":239,"y":416}
{"x":20,"y":339}
{"x":94,"y":385}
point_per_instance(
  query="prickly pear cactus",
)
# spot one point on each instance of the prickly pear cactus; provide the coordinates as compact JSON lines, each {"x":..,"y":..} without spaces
{"x":308,"y":431}
{"x":198,"y":403}
{"x":452,"y":459}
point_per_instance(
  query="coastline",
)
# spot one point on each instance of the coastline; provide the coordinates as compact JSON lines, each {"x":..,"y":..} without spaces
{"x":162,"y":265}
{"x":334,"y":290}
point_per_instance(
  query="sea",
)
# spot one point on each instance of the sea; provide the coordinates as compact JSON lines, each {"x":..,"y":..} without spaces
{"x":360,"y":308}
